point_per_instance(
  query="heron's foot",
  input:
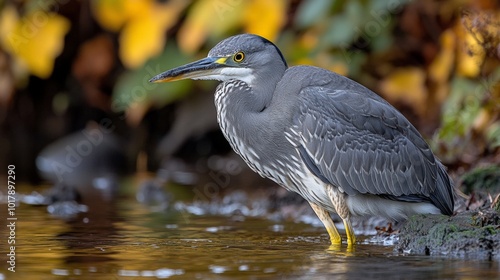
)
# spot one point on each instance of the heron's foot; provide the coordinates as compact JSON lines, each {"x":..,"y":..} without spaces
{"x":335,"y":238}
{"x":351,"y":238}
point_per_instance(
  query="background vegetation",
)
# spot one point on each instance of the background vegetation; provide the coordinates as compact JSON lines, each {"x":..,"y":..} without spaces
{"x":66,"y":64}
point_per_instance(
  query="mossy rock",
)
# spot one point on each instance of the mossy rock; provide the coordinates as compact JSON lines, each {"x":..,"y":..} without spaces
{"x":471,"y":234}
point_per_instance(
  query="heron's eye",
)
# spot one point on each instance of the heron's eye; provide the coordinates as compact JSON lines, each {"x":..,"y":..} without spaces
{"x":239,"y":56}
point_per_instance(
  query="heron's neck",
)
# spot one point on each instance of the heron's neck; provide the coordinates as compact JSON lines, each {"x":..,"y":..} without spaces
{"x":239,"y":110}
{"x":242,"y":107}
{"x":236,"y":102}
{"x":243,"y":98}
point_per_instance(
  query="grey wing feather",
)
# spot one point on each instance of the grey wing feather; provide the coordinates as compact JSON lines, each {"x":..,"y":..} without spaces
{"x":362,"y":144}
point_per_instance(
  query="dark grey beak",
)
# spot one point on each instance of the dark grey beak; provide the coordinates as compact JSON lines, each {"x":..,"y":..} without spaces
{"x":201,"y":69}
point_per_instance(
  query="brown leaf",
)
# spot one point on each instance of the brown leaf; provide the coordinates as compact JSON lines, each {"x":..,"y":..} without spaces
{"x":95,"y":59}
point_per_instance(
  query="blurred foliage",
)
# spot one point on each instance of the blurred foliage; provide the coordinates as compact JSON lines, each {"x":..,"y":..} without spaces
{"x":134,"y":93}
{"x":34,"y":39}
{"x":142,"y":25}
{"x":437,"y":61}
{"x":471,"y":125}
{"x":482,"y":178}
{"x":216,"y":18}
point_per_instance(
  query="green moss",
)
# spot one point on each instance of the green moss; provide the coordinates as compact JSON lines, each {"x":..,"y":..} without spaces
{"x":453,"y":228}
{"x":484,"y":178}
{"x":491,"y":229}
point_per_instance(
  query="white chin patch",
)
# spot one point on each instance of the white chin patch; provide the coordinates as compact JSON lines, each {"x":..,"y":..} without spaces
{"x":230,"y":73}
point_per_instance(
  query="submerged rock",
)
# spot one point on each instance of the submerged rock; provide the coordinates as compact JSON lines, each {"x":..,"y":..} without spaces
{"x":79,"y":158}
{"x":470,"y":234}
{"x":84,"y":167}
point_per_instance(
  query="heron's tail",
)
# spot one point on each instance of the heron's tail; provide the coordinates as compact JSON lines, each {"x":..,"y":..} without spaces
{"x":443,"y":195}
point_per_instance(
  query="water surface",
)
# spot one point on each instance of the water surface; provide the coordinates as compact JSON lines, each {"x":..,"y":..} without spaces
{"x":127,"y":240}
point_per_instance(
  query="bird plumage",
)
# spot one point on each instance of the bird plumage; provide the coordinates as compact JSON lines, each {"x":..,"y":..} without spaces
{"x":351,"y":138}
{"x":335,"y":142}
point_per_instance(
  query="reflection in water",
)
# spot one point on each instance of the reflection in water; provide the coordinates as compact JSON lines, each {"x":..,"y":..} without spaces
{"x":123,"y":239}
{"x":95,"y":231}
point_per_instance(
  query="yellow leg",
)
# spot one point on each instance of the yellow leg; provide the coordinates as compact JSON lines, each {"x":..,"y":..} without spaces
{"x":351,"y":238}
{"x":325,"y":218}
{"x":339,"y":203}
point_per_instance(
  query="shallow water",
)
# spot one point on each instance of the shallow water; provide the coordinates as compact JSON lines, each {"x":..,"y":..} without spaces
{"x":126,"y":240}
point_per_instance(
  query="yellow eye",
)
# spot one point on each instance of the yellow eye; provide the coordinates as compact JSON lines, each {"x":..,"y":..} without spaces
{"x":239,"y":56}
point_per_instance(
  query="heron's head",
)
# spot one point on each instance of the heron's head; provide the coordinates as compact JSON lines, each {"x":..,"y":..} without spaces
{"x":242,"y":57}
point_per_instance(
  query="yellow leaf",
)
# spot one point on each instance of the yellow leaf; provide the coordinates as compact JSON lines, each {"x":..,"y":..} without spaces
{"x":113,"y":14}
{"x":110,"y":14}
{"x":144,"y":36}
{"x":195,"y":29}
{"x":470,"y":54}
{"x":139,"y":40}
{"x":37,"y":40}
{"x":440,"y":68}
{"x":138,"y":8}
{"x":8,"y":22}
{"x":265,"y":18}
{"x":476,"y":31}
{"x":209,"y":17}
{"x":406,"y":85}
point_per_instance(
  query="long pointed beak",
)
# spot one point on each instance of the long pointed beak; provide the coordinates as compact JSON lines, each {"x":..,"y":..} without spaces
{"x":201,"y":69}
